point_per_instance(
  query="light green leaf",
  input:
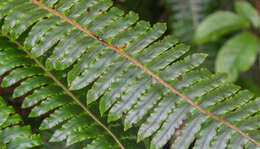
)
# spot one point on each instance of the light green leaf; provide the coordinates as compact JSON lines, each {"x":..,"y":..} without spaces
{"x":218,"y":24}
{"x":237,"y":55}
{"x":246,"y":10}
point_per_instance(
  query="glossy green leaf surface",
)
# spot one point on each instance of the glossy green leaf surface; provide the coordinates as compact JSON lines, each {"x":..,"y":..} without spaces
{"x":247,"y":11}
{"x":12,"y":132}
{"x":219,"y":24}
{"x":237,"y":55}
{"x":133,"y":105}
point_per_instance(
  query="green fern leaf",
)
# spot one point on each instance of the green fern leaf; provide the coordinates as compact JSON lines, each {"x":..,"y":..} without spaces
{"x":12,"y":133}
{"x":86,"y":65}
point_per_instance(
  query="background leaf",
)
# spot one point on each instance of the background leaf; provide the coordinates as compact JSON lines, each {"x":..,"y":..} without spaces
{"x":237,"y":55}
{"x":247,"y":11}
{"x":184,"y":16}
{"x":218,"y":24}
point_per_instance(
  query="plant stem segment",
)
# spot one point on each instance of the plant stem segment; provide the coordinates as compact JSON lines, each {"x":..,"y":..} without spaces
{"x":119,"y":51}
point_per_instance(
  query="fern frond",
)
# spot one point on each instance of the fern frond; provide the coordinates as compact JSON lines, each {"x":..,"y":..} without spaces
{"x":50,"y":103}
{"x":123,"y":89}
{"x":13,"y":133}
{"x":186,"y":15}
